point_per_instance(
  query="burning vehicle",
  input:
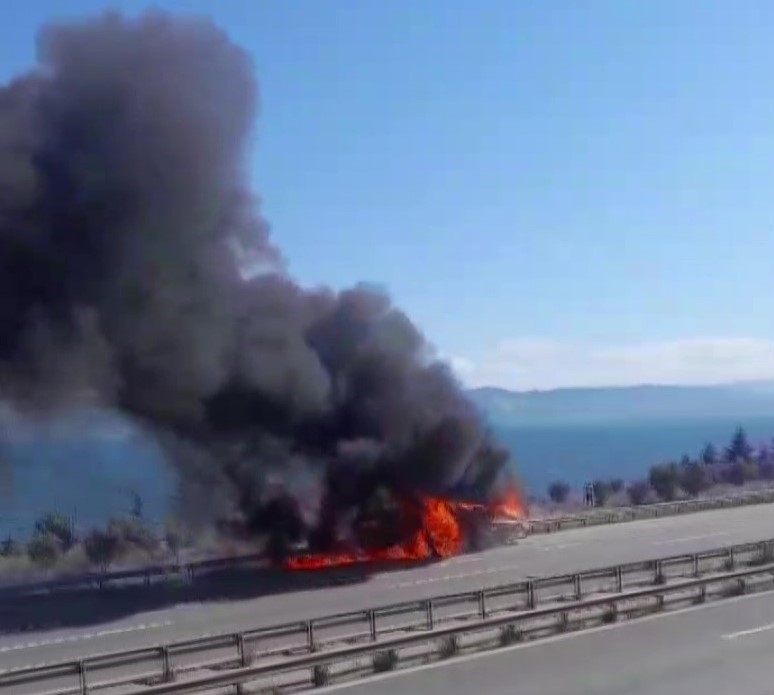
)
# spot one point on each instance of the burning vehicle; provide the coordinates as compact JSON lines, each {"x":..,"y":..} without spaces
{"x":138,"y":274}
{"x":424,"y":529}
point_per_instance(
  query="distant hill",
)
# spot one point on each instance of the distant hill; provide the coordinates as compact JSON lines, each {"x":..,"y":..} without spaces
{"x":621,"y":404}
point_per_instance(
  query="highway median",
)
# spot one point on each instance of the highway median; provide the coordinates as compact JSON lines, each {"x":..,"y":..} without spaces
{"x":396,"y":635}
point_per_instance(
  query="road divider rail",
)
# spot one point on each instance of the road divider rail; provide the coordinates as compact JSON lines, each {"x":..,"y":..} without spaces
{"x":315,"y":668}
{"x":376,"y":624}
{"x":190,"y":570}
{"x":612,"y":515}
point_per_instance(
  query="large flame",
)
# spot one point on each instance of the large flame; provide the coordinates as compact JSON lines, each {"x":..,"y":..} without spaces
{"x":439,"y":535}
{"x":509,"y":506}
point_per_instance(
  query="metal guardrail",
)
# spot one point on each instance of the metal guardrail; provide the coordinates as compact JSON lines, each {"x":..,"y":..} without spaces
{"x":376,"y":624}
{"x":245,"y":674}
{"x":146,"y":575}
{"x":650,"y":511}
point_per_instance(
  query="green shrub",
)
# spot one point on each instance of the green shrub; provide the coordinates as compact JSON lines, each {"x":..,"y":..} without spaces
{"x":321,"y":676}
{"x":57,"y":526}
{"x":44,"y":550}
{"x":385,"y":661}
{"x":449,"y":647}
{"x":510,"y":634}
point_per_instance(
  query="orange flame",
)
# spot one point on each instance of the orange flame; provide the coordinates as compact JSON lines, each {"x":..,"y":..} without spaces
{"x":509,"y":506}
{"x":439,"y":534}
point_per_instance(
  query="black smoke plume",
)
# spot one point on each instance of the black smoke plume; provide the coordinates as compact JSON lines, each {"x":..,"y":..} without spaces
{"x":136,"y":271}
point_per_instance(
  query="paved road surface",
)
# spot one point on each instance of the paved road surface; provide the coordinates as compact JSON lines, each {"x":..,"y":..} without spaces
{"x":711,"y":650}
{"x":538,"y":555}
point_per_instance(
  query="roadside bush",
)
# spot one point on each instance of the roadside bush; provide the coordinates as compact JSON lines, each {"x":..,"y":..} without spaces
{"x":176,"y":537}
{"x":10,"y":548}
{"x":616,"y":485}
{"x":638,"y":492}
{"x":132,"y":535}
{"x":558,"y":491}
{"x":764,"y":556}
{"x":59,"y":527}
{"x":385,"y":661}
{"x":44,"y":550}
{"x":602,"y":491}
{"x":509,"y":634}
{"x":694,"y":478}
{"x":321,"y":676}
{"x":665,"y":479}
{"x":610,"y":615}
{"x":449,"y":647}
{"x":102,"y":548}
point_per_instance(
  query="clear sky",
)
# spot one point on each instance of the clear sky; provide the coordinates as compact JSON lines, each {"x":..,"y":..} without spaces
{"x":559,"y":193}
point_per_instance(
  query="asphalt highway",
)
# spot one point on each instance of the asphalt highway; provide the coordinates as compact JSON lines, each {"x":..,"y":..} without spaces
{"x":709,"y":650}
{"x":558,"y":553}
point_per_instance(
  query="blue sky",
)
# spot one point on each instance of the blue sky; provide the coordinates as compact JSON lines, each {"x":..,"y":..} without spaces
{"x":558,"y":193}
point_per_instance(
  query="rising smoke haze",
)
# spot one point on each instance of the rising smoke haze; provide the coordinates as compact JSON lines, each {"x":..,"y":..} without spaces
{"x":127,"y":230}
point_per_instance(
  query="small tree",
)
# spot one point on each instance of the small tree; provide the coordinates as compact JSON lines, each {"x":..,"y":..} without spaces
{"x":602,"y":492}
{"x":709,"y":455}
{"x":137,"y":506}
{"x":101,"y":547}
{"x":694,"y":478}
{"x":44,"y":549}
{"x":741,"y":472}
{"x":739,"y":449}
{"x":132,"y":534}
{"x":58,"y":526}
{"x":638,"y":492}
{"x":558,"y":491}
{"x":766,"y":470}
{"x":664,"y":479}
{"x":175,"y":537}
{"x":10,"y":548}
{"x":616,"y":485}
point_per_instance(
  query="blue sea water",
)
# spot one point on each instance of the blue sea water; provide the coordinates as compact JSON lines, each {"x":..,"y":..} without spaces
{"x":580,"y":453}
{"x":94,"y":477}
{"x":87,"y":475}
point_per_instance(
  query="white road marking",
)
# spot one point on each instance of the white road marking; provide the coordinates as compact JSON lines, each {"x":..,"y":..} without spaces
{"x":450,"y":577}
{"x":84,"y":637}
{"x":464,"y":559}
{"x":751,"y":631}
{"x":559,"y":546}
{"x":685,"y":539}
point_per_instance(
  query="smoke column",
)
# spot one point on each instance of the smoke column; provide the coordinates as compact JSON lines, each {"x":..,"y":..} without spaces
{"x":136,"y":271}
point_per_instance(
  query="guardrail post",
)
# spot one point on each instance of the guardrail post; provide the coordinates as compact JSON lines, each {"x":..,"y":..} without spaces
{"x":619,"y":579}
{"x":310,"y":635}
{"x":165,"y":665}
{"x":82,"y":676}
{"x":147,"y":579}
{"x":695,"y":561}
{"x":531,"y":601}
{"x":658,"y":572}
{"x":372,"y":624}
{"x":576,"y":584}
{"x":482,"y":605}
{"x":429,"y":614}
{"x":731,"y":559}
{"x":243,"y":657}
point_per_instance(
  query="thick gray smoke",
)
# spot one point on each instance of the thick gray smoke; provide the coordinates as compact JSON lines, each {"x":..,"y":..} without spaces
{"x":135,"y":268}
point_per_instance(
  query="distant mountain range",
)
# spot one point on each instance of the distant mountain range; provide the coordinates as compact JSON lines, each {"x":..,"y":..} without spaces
{"x":505,"y":408}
